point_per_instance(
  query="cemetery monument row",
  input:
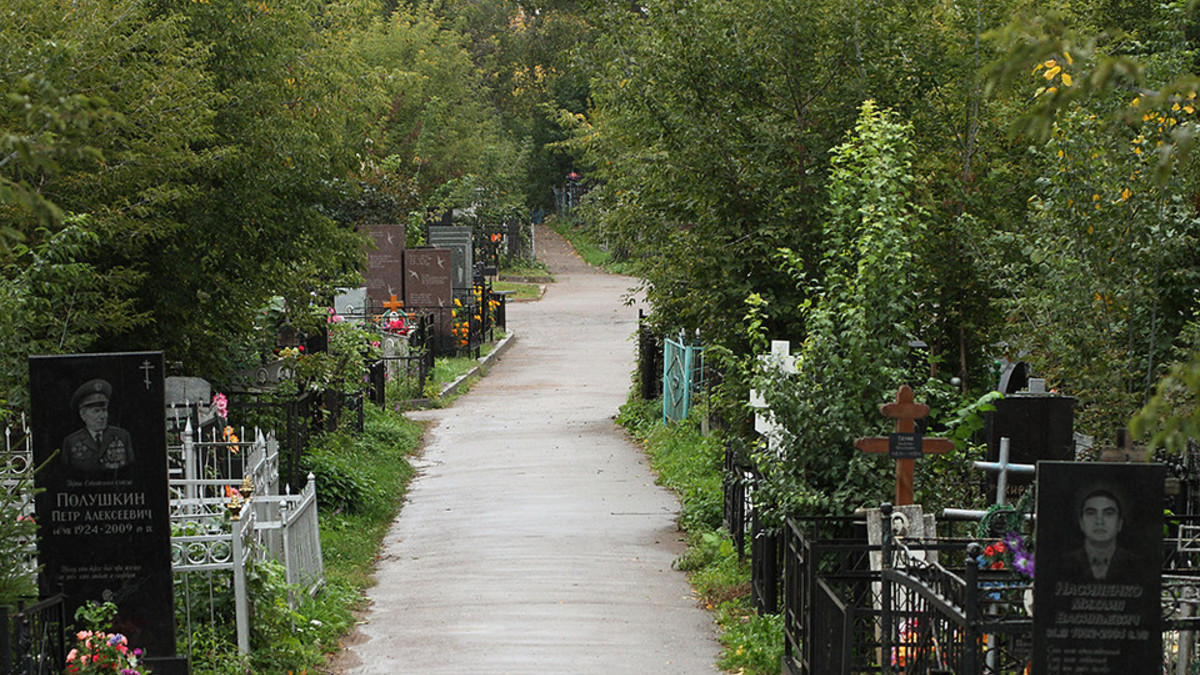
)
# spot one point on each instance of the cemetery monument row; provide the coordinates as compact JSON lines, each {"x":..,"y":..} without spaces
{"x":99,"y":432}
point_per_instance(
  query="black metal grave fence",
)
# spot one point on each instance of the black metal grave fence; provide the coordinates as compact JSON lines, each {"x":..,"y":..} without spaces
{"x":926,"y":606}
{"x":33,"y":638}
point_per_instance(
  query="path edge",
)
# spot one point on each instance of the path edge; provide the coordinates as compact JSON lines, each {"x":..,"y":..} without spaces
{"x":483,"y":365}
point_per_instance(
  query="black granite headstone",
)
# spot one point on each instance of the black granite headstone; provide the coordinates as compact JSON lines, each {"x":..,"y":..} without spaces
{"x":1098,"y":574}
{"x":1038,"y":426}
{"x":99,"y":424}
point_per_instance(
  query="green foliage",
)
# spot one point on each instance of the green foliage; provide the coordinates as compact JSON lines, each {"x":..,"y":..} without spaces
{"x":1100,"y":275}
{"x":854,"y":356}
{"x":753,"y":643}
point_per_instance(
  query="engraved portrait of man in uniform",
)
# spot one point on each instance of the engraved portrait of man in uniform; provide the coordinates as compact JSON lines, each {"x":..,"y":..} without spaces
{"x":97,"y":446}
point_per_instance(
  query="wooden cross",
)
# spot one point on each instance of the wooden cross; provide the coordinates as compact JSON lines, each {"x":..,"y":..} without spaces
{"x":393,"y":305}
{"x":905,"y":445}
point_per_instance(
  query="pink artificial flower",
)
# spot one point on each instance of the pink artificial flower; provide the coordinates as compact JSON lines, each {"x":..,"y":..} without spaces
{"x":221,"y":404}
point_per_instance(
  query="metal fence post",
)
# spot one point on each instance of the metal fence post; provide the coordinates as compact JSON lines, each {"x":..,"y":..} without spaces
{"x":885,"y":592}
{"x":241,"y":598}
{"x":971,"y":632}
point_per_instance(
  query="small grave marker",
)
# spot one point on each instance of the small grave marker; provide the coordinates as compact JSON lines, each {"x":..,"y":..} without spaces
{"x":393,"y":305}
{"x":903,"y":445}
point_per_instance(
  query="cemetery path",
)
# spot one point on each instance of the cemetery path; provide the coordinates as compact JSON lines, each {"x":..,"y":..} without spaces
{"x":534,"y":539}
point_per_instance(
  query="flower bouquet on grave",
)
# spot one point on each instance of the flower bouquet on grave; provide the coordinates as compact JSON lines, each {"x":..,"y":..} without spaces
{"x":97,"y":651}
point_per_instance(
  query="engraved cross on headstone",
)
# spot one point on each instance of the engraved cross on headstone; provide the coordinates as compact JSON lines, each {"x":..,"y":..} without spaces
{"x":905,"y":445}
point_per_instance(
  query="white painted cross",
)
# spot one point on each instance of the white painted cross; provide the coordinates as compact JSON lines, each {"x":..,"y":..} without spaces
{"x":1002,"y":469}
{"x":780,"y":358}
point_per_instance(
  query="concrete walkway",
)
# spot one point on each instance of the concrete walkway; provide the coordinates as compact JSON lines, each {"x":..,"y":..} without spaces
{"x":534,"y":539}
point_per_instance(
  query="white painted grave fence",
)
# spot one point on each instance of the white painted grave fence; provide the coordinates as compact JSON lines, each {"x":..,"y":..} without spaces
{"x":215,"y":475}
{"x":205,"y":477}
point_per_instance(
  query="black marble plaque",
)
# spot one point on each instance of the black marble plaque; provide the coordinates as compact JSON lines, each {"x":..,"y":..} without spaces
{"x":1098,"y":569}
{"x":905,"y":446}
{"x":385,"y":263}
{"x":428,"y":280}
{"x":103,"y":514}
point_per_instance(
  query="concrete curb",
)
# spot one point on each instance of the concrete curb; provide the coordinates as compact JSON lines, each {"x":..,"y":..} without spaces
{"x":484,"y":365}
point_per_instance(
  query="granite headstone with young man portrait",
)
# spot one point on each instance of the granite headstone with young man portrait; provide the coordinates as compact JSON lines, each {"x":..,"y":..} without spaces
{"x":99,"y":429}
{"x":1098,"y":574}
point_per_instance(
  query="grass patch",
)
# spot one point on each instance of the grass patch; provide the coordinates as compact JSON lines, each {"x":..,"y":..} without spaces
{"x":520,"y":290}
{"x":691,"y":465}
{"x":526,"y":268}
{"x":589,"y":246}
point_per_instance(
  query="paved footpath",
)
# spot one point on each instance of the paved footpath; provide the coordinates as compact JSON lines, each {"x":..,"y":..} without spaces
{"x":534,"y":539}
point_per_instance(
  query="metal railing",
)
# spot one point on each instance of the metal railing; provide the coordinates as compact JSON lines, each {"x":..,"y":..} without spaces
{"x":33,"y":638}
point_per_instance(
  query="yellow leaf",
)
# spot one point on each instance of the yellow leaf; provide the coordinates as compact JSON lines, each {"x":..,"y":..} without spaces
{"x":1189,"y":109}
{"x":1125,"y":194}
{"x":1137,"y":100}
{"x":1050,"y":63}
{"x":1091,"y":229}
{"x":1049,"y":74}
{"x":1175,"y":107}
{"x":1095,"y":198}
{"x":1061,"y":153}
{"x":1070,"y":61}
{"x":1067,"y":81}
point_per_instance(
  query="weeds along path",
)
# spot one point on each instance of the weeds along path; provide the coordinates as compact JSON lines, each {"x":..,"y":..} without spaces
{"x":534,"y":539}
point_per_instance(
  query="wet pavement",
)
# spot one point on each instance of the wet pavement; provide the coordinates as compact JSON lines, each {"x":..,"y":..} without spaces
{"x":534,"y":539}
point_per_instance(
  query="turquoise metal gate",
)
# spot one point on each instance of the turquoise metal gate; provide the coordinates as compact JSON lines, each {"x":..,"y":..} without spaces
{"x":683,"y":369}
